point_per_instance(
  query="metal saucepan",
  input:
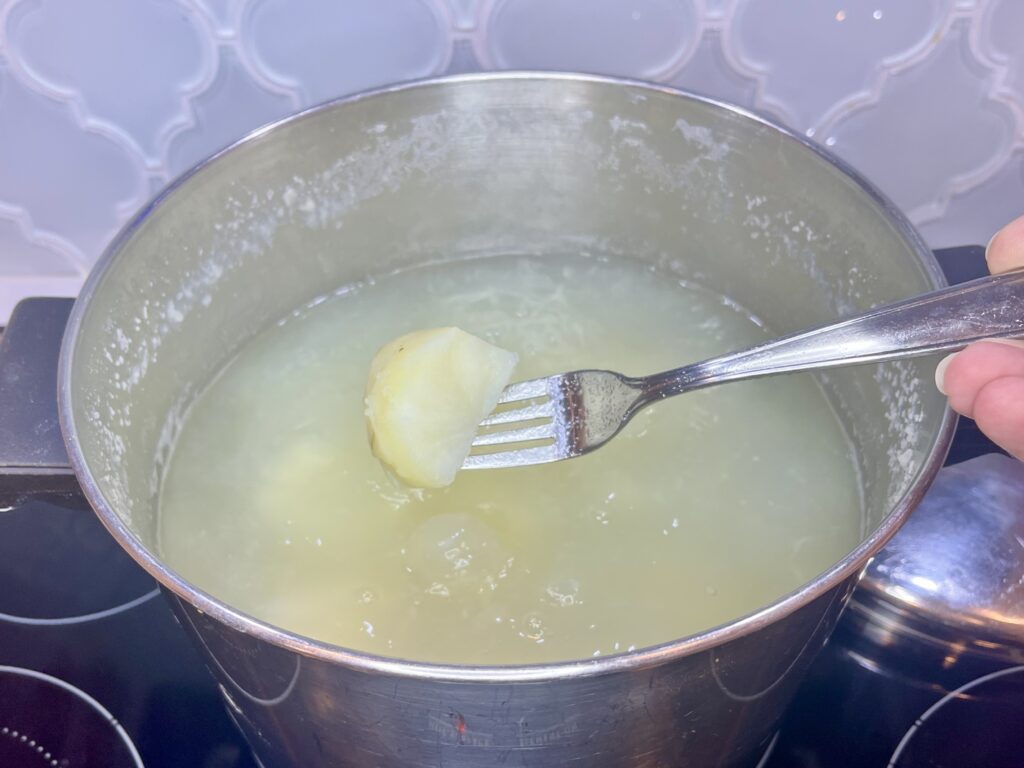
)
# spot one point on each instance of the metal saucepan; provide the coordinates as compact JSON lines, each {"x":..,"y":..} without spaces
{"x":496,"y":163}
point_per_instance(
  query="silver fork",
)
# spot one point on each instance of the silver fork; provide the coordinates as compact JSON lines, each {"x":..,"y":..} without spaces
{"x":570,"y":414}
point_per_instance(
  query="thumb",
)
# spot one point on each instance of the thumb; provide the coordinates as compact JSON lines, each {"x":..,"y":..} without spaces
{"x":1005,"y":250}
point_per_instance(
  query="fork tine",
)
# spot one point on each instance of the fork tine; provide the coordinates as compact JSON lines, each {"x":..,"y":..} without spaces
{"x":522,"y":457}
{"x":524,"y":390}
{"x":526,"y":413}
{"x":536,"y":432}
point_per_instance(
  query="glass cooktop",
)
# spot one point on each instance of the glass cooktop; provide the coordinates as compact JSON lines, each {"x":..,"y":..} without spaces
{"x":94,"y":670}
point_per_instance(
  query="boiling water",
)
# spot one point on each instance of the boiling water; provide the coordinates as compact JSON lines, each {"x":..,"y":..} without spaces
{"x":707,"y":507}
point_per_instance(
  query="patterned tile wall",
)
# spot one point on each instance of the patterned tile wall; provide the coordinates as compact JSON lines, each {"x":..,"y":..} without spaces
{"x":104,"y":101}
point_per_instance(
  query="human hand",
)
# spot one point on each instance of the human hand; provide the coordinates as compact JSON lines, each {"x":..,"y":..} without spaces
{"x":985,"y":382}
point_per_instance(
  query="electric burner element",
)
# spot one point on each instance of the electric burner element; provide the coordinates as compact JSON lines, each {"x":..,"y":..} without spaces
{"x":78,"y":615}
{"x":962,"y":722}
{"x":67,"y":549}
{"x":47,"y":722}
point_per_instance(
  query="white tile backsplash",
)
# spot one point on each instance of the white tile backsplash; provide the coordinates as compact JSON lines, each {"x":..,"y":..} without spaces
{"x":102,"y":102}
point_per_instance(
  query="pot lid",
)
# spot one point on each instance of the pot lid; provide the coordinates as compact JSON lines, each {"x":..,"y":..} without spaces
{"x":955,"y":571}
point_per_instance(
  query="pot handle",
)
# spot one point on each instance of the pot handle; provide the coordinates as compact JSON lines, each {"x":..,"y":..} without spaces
{"x":33,"y":459}
{"x":962,"y":263}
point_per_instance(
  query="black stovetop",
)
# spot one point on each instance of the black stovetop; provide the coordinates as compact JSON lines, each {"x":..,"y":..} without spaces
{"x":91,"y":657}
{"x":94,"y":670}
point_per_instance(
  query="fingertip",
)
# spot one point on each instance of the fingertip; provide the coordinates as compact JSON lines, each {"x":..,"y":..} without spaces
{"x":1015,"y":343}
{"x":1005,"y":250}
{"x":999,"y":413}
{"x":962,"y":375}
{"x":960,"y":382}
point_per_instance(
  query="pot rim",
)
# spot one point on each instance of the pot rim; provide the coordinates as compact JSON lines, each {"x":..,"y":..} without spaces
{"x":643,"y":658}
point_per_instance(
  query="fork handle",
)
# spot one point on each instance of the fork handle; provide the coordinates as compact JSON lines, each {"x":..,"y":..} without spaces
{"x":947,"y":319}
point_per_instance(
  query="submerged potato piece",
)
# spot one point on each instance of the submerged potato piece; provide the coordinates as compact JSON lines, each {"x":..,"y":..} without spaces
{"x":425,"y":397}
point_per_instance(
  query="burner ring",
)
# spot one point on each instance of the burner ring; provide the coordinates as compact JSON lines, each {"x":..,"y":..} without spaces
{"x":949,"y":699}
{"x":63,"y":568}
{"x":44,"y":716}
{"x":83,"y":618}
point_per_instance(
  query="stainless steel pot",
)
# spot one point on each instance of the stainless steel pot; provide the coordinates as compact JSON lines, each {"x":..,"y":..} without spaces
{"x":471,"y":166}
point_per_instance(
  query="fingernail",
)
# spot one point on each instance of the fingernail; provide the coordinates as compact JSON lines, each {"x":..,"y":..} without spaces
{"x":940,"y":372}
{"x":991,"y":240}
{"x":988,"y":249}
